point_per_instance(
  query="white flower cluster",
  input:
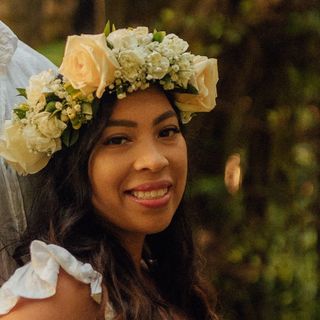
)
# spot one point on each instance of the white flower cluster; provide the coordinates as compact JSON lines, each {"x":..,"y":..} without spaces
{"x":144,"y":58}
{"x":38,"y":125}
{"x":39,"y":128}
{"x":51,"y":105}
{"x":120,"y":62}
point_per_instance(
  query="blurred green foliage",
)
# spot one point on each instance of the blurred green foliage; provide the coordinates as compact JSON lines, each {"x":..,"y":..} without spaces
{"x":260,"y":243}
{"x":53,"y":51}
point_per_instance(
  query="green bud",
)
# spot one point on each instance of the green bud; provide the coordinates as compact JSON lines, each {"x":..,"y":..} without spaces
{"x":86,"y":108}
{"x":158,"y":35}
{"x":51,"y":106}
{"x":76,"y":123}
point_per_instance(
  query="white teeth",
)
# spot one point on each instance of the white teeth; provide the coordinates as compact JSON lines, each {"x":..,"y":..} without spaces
{"x":149,"y":195}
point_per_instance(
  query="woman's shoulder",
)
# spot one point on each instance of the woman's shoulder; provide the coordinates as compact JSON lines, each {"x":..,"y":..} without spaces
{"x":54,"y":283}
{"x":71,"y":301}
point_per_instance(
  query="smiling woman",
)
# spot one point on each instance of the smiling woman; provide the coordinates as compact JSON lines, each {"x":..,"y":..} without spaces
{"x":108,"y":236}
{"x":138,"y":167}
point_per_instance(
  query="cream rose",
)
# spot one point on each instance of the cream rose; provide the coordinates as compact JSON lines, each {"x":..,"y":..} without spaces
{"x":50,"y":127}
{"x":14,"y":149}
{"x":205,"y":81}
{"x":88,"y":63}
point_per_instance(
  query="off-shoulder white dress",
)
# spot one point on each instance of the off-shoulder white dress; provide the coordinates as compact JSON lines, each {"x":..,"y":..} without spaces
{"x":38,"y":279}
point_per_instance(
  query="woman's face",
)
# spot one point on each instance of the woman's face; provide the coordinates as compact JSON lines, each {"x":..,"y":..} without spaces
{"x":138,"y":168}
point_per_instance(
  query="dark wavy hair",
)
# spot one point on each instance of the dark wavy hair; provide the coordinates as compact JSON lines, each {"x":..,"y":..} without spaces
{"x":63,"y":214}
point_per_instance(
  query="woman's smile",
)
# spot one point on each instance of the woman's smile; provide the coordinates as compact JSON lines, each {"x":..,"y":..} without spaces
{"x":152,"y":194}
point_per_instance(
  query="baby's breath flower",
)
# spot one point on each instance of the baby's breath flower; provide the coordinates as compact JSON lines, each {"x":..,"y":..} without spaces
{"x":58,"y":105}
{"x":121,"y":95}
{"x":71,"y":113}
{"x":77,"y":108}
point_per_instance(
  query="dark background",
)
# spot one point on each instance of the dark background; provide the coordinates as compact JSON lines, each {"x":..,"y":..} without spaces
{"x":259,"y":234}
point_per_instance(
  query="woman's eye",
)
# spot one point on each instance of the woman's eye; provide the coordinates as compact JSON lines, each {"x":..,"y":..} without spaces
{"x":116,"y":140}
{"x":169,"y":132}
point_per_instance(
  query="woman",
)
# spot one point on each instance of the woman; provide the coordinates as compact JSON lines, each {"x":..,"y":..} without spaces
{"x":109,"y":239}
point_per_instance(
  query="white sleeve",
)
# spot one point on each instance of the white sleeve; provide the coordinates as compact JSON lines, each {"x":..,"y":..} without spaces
{"x":38,"y":279}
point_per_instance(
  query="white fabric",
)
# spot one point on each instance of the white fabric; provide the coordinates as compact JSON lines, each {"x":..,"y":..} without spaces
{"x":38,"y":279}
{"x":17,"y":63}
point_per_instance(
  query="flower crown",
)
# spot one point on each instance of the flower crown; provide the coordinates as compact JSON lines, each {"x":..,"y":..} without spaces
{"x":117,"y":62}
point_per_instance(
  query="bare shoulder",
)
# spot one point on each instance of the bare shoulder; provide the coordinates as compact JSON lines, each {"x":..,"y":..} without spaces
{"x":72,"y":301}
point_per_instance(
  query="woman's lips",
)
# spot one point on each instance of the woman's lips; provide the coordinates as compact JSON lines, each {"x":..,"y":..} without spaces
{"x":152,"y":194}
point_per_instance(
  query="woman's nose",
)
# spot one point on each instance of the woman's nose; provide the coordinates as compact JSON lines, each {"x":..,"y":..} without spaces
{"x":150,"y":157}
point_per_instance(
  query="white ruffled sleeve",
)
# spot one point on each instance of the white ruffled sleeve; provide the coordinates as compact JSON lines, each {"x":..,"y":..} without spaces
{"x":38,"y":279}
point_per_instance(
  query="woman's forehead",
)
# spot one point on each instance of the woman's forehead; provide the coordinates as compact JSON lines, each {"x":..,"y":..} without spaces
{"x":141,"y":105}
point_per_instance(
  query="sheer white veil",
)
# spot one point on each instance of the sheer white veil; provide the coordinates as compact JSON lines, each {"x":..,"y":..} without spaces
{"x":17,"y":63}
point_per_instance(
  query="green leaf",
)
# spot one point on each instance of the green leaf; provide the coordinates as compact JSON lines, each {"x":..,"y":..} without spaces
{"x":22,"y":92}
{"x":20,"y":113}
{"x":107,"y":30}
{"x":51,"y":97}
{"x":71,"y":90}
{"x":192,"y":89}
{"x":70,"y":136}
{"x":76,"y":123}
{"x":109,"y":44}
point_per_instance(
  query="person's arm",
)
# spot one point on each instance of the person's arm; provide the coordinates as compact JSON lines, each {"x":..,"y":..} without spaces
{"x":72,"y":301}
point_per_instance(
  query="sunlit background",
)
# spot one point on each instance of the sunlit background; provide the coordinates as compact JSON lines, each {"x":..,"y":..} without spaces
{"x":254,"y":161}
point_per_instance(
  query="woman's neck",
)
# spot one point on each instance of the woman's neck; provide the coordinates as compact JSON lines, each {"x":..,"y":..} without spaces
{"x":134,"y":245}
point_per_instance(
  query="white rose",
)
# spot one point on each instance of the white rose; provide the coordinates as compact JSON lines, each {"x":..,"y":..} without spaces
{"x":158,"y":66}
{"x":131,"y":62}
{"x":142,"y":35}
{"x":88,"y":63}
{"x":122,"y":39}
{"x":205,"y":81}
{"x":140,"y":32}
{"x":173,"y":45}
{"x":14,"y":149}
{"x":38,"y":84}
{"x":36,"y":141}
{"x":128,"y":38}
{"x":50,"y":126}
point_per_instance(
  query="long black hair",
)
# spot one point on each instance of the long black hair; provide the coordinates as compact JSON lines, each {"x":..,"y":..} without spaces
{"x":64,"y":215}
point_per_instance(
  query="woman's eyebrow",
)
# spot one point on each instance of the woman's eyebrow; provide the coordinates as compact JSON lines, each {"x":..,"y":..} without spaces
{"x":163,"y":117}
{"x":122,"y":123}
